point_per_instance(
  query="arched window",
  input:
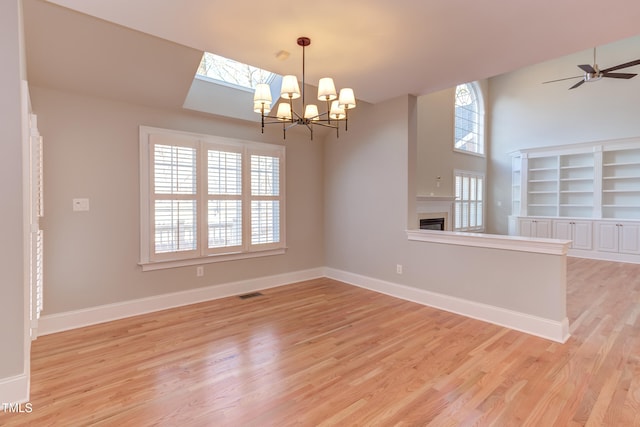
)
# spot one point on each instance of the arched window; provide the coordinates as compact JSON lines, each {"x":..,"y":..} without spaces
{"x":469,"y":116}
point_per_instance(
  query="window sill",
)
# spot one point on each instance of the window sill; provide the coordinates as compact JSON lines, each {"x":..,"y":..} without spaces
{"x":471,"y":153}
{"x":161,"y":265}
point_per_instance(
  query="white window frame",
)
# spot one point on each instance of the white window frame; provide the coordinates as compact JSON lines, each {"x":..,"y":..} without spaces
{"x":460,"y":203}
{"x":149,"y":259}
{"x":479,"y":131}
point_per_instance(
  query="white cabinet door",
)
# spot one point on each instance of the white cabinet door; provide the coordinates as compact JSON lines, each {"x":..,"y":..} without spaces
{"x":533,"y":227}
{"x":526,"y":227}
{"x":582,"y":235}
{"x":607,"y":236}
{"x":629,"y":238}
{"x":579,"y":232}
{"x":542,"y":228}
{"x":563,"y":229}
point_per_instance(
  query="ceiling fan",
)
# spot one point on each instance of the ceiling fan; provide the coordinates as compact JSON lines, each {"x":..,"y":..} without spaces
{"x":592,"y":73}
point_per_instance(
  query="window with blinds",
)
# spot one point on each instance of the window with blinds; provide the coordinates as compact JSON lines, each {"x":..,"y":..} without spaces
{"x":468,"y":205}
{"x":224,"y":208}
{"x":204,"y":196}
{"x":265,"y":200}
{"x":174,"y":198}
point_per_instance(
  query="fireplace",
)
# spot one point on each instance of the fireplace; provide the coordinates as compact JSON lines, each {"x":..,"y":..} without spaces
{"x":432,"y":224}
{"x":439,"y":208}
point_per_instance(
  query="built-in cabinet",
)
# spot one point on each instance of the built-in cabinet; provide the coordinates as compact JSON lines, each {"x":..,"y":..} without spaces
{"x":534,"y":227}
{"x":586,"y":193}
{"x":580,"y":232}
{"x":618,"y":237}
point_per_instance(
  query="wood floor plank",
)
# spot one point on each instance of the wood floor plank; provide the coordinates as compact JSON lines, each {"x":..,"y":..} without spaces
{"x":325,"y":353}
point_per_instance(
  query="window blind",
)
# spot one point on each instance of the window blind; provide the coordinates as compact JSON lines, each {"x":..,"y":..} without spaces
{"x":468,"y":205}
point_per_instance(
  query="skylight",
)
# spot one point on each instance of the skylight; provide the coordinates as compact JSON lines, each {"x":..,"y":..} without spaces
{"x":233,"y":73}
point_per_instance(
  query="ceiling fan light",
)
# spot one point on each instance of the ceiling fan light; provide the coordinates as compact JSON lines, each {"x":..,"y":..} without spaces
{"x":284,"y":111}
{"x":290,"y":88}
{"x":326,"y":89}
{"x":337,"y":111}
{"x":347,"y":98}
{"x":311,"y":112}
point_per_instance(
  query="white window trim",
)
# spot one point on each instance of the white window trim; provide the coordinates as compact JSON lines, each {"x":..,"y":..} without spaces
{"x":477,"y":229}
{"x":470,"y":153}
{"x":203,"y":254}
{"x":481,"y":122}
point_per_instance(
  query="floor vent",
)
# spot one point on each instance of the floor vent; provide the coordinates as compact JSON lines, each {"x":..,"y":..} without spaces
{"x":251,"y":295}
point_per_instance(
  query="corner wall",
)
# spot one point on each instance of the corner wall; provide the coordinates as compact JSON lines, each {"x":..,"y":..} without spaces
{"x":91,"y":150}
{"x":13,"y":375}
{"x":435,"y":154}
{"x":368,"y":192}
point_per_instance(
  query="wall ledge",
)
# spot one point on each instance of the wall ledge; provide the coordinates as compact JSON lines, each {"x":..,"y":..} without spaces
{"x":492,"y":241}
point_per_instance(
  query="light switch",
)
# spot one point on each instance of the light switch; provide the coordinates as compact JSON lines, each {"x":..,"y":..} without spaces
{"x":80,"y":205}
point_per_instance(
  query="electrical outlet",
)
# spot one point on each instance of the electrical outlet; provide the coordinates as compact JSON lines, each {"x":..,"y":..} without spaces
{"x":199,"y":271}
{"x":399,"y":268}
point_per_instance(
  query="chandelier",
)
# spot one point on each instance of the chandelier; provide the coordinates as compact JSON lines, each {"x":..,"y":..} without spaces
{"x":337,"y":107}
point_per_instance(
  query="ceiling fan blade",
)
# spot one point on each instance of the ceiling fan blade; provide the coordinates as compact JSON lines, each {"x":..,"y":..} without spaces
{"x":577,"y":84}
{"x":619,"y":75}
{"x":625,"y":65}
{"x":587,"y":68}
{"x":560,"y":80}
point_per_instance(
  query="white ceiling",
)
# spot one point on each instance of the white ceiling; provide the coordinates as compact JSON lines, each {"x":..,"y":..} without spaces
{"x":381,"y":48}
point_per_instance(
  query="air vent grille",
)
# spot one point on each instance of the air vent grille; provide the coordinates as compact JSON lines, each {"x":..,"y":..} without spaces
{"x":251,"y":295}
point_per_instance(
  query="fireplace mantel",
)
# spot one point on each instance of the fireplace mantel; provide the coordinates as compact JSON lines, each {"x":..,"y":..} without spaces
{"x":435,"y":198}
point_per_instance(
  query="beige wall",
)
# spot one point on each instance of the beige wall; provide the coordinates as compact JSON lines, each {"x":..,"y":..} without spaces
{"x":528,"y":114}
{"x":11,"y":210}
{"x":91,"y":151}
{"x":368,"y":183}
{"x":435,"y":154}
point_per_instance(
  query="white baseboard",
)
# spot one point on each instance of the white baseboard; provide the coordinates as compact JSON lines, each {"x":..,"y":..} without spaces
{"x":49,"y":324}
{"x":14,"y":389}
{"x":605,"y":256}
{"x":545,"y":328}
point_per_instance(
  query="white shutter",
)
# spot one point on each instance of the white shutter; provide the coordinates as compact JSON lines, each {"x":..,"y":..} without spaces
{"x":36,"y":234}
{"x":266,"y":199}
{"x":468,"y":206}
{"x":174,"y":204}
{"x":224,"y":204}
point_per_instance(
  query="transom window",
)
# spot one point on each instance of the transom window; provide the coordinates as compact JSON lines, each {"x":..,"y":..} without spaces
{"x":231,"y":72}
{"x":468,"y":205}
{"x":208,"y":197}
{"x":469,"y":114}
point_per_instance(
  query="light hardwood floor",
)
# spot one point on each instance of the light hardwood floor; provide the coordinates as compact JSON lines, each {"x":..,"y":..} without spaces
{"x":325,"y":353}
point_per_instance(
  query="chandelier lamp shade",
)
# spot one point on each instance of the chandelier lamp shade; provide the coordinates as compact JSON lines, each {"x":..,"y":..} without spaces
{"x":337,"y":106}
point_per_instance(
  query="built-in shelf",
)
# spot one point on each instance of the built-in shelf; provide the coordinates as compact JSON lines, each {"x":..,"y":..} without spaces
{"x":591,"y":180}
{"x":575,"y":192}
